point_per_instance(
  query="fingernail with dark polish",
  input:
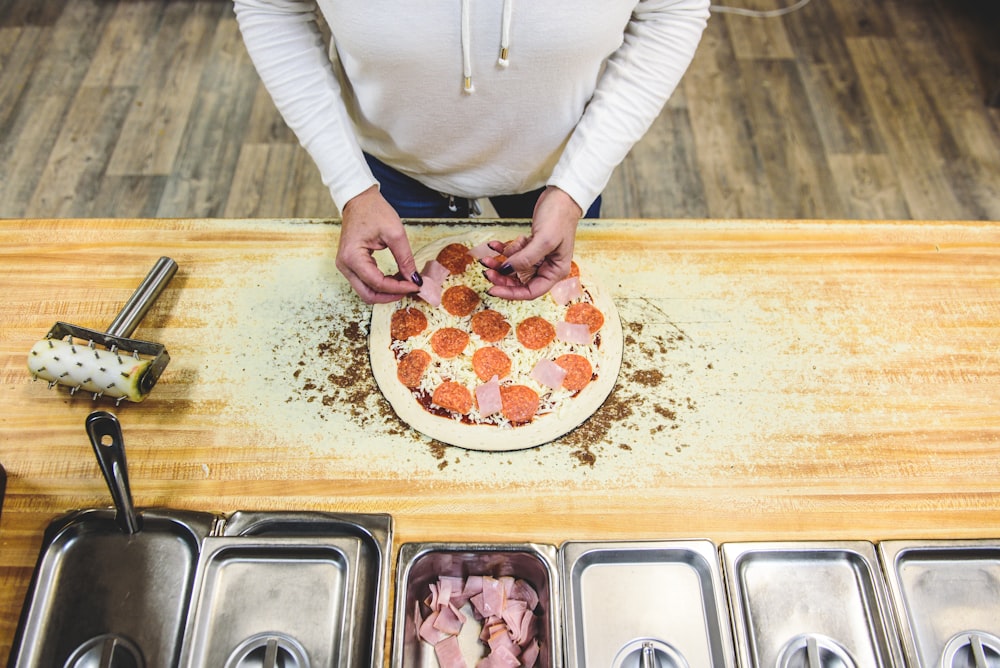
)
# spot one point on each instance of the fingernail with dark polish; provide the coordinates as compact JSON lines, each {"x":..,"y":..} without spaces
{"x":506,"y":269}
{"x":416,"y":278}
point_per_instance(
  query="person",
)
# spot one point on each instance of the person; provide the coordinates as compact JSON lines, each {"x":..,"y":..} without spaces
{"x":417,"y":109}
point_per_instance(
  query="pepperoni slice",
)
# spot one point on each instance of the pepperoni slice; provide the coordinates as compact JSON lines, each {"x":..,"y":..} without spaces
{"x":520,"y":403}
{"x":407,"y":322}
{"x":489,"y":325}
{"x":489,"y":361}
{"x":460,"y":300}
{"x":411,"y":367}
{"x":574,"y":270}
{"x":578,"y":371}
{"x":449,"y":342}
{"x":453,"y":397}
{"x":535,"y":332}
{"x":583,"y":313}
{"x":455,"y":257}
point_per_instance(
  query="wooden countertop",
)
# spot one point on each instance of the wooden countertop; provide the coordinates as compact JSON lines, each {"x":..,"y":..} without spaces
{"x":781,"y":380}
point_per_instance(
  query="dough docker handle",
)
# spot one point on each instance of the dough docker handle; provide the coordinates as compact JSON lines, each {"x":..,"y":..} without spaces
{"x":142,"y":299}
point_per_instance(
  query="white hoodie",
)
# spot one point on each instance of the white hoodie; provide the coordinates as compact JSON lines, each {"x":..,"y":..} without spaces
{"x":473,"y":98}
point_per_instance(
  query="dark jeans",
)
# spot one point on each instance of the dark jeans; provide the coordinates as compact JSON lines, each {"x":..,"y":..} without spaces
{"x":412,"y":199}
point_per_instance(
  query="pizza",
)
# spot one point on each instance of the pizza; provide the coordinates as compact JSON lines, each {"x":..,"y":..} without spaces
{"x":485,"y":373}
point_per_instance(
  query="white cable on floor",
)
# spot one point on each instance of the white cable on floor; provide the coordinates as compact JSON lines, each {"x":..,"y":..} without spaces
{"x":766,"y":14}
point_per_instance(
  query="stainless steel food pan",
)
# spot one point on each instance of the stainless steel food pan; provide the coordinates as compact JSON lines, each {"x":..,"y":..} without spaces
{"x":420,"y":564}
{"x":371,"y":587}
{"x":99,"y":592}
{"x":289,"y":598}
{"x":809,"y":603}
{"x":631,"y":604}
{"x":946,"y":594}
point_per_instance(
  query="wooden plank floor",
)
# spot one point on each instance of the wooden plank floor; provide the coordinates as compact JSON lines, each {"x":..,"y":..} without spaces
{"x":845,"y":109}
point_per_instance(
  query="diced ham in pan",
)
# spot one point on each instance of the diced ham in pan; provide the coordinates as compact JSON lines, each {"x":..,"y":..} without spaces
{"x":530,"y":654}
{"x":473,"y":583}
{"x":449,"y":620}
{"x":501,"y":657}
{"x":493,"y":598}
{"x":513,"y":616}
{"x":449,"y":653}
{"x":506,"y":608}
{"x":430,"y":632}
{"x":522,"y":591}
{"x":449,"y":588}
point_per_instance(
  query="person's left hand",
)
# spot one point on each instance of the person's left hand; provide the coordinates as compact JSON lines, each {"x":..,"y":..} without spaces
{"x":535,"y":263}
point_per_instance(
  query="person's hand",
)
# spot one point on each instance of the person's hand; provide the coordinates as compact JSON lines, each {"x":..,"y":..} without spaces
{"x":535,"y":263}
{"x":370,"y":224}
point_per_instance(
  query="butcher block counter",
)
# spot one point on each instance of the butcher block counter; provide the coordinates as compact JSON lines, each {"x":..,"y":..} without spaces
{"x":780,"y":380}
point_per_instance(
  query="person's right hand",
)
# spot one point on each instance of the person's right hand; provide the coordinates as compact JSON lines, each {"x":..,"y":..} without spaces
{"x":369,"y":224}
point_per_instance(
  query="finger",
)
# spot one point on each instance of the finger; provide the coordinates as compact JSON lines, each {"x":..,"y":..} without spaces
{"x":533,"y":289}
{"x":399,"y":246}
{"x":364,"y":275}
{"x":512,"y":287}
{"x":525,"y":262}
{"x":370,"y":296}
{"x":515,"y":245}
{"x":367,"y":293}
{"x":505,"y":275}
{"x":496,"y":278}
{"x":390,"y":285}
{"x":492,"y":262}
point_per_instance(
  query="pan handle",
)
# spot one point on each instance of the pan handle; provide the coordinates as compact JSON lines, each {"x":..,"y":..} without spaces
{"x":105,"y":434}
{"x":142,"y":299}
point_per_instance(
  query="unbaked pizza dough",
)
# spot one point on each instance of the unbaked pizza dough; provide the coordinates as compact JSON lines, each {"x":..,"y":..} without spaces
{"x":568,"y":411}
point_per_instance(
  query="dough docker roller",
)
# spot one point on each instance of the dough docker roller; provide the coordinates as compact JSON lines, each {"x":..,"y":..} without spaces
{"x":108,"y":363}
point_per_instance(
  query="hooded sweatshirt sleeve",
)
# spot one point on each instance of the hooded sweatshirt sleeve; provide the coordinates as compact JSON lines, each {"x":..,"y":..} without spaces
{"x":659,"y":44}
{"x":285,"y":45}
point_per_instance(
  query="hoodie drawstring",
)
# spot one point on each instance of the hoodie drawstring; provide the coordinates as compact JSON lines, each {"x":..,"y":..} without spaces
{"x":466,"y":50}
{"x":502,"y":61}
{"x":505,"y":34}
